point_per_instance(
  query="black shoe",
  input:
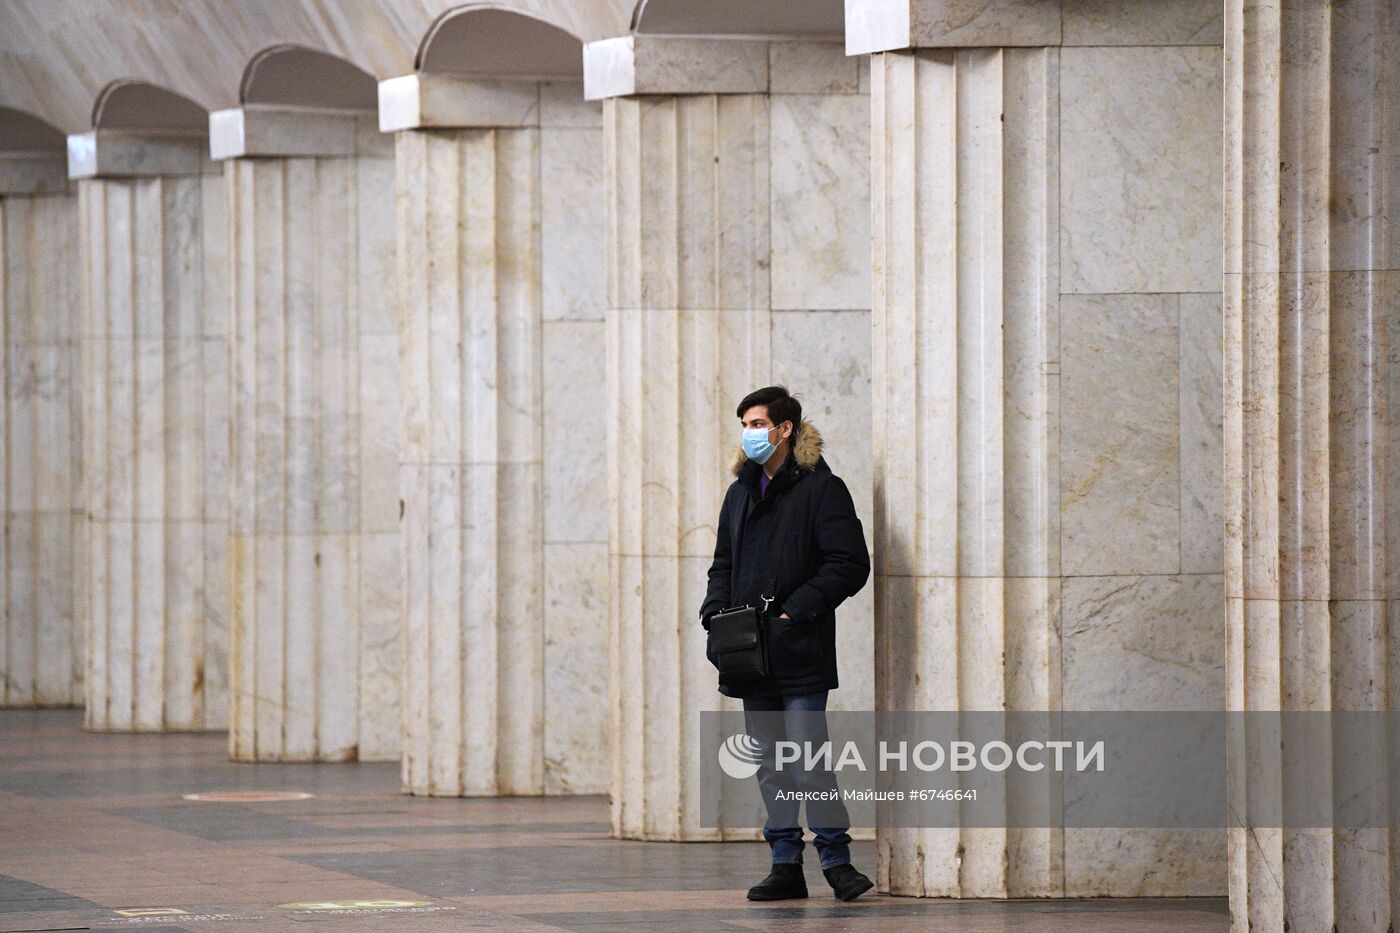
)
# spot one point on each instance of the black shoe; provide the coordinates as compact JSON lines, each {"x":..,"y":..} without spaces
{"x":784,"y":882}
{"x":848,"y":883}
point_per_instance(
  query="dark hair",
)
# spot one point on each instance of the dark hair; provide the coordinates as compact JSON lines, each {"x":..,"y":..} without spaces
{"x":781,"y":406}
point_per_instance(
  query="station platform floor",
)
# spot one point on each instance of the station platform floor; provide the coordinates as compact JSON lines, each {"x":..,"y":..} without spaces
{"x":96,"y":833}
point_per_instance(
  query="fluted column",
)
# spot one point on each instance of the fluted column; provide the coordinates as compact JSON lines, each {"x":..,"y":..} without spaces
{"x":41,"y":635}
{"x":687,"y":235}
{"x":966,"y":530}
{"x":687,"y":245}
{"x":719,"y":156}
{"x":1311,"y":165}
{"x":155,"y":393}
{"x":1046,"y":407}
{"x":499,"y":211}
{"x":314,"y":570}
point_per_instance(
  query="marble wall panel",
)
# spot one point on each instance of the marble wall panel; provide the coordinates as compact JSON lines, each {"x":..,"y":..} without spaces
{"x":737,"y":257}
{"x":1144,"y":643}
{"x":1120,"y":436}
{"x":1137,"y":642}
{"x":1124,"y":368}
{"x":576,"y":550}
{"x":820,"y":188}
{"x":571,"y":212}
{"x":1161,"y":22}
{"x":1309,"y":389}
{"x":1314,"y":429}
{"x":1141,"y":479}
{"x":679,"y":171}
{"x":41,"y":557}
{"x":503,"y":476}
{"x":1201,"y":421}
{"x":155,"y":387}
{"x":813,"y":68}
{"x":1141,"y":182}
{"x":314,"y":510}
{"x":965,"y":163}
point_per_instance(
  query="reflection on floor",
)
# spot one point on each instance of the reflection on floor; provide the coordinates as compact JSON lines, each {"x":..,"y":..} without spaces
{"x":95,"y":833}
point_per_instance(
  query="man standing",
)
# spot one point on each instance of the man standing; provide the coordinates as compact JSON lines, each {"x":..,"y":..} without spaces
{"x":779,"y":469}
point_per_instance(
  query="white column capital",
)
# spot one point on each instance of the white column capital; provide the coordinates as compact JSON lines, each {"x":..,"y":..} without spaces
{"x":113,"y":153}
{"x":632,"y":65}
{"x":892,"y":25}
{"x":257,"y":130}
{"x":440,"y":101}
{"x":33,"y":173}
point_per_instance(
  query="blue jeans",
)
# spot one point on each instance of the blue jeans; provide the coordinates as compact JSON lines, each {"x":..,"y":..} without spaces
{"x":782,"y":828}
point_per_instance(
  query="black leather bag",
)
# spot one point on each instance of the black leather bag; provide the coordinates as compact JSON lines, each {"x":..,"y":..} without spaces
{"x":739,"y":636}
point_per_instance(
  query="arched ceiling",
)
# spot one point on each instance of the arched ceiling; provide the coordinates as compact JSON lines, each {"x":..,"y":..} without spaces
{"x":810,"y":19}
{"x":56,"y":56}
{"x":299,"y":77}
{"x":132,"y":105}
{"x":483,"y":39}
{"x":24,"y":132}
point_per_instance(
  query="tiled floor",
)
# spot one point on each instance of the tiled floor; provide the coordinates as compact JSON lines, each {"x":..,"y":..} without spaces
{"x":95,"y":834}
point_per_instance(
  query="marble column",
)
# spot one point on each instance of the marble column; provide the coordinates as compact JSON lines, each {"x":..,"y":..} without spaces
{"x":702,"y":251}
{"x":155,"y":414}
{"x":41,"y":635}
{"x":1311,"y":162}
{"x":965,"y":234}
{"x":314,"y":568}
{"x":501,"y":459}
{"x":1044,"y":416}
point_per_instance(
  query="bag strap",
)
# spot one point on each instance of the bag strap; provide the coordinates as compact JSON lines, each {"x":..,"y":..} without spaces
{"x":775,"y":551}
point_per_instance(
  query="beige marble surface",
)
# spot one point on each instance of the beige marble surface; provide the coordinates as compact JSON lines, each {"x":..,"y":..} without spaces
{"x":23,"y":173}
{"x":423,"y":101}
{"x":124,"y":154}
{"x":813,"y":68}
{"x":1071,"y":348}
{"x":1309,"y":302}
{"x":894,"y":25}
{"x":642,"y":64}
{"x":571,"y":199}
{"x":314,"y":581}
{"x":155,"y":390}
{"x":1138,"y":642}
{"x":504,"y":519}
{"x":1200,"y":419}
{"x":888,"y":25}
{"x":701,"y":218}
{"x":820,"y":193}
{"x":1120,"y":435}
{"x":41,"y":558}
{"x":1140,"y":188}
{"x":262,"y":131}
{"x":1142,"y":22}
{"x":958,"y":631}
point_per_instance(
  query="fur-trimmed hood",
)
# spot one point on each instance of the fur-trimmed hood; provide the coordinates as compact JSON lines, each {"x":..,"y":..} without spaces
{"x":806,"y":448}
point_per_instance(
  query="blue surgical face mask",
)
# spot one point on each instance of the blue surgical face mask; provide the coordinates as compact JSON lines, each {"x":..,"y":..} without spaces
{"x":756,"y":446}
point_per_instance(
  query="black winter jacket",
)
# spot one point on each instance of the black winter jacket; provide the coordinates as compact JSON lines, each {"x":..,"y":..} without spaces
{"x":824,"y":561}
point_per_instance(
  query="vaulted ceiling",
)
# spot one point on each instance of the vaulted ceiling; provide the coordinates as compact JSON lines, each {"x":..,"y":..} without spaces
{"x":57,"y":56}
